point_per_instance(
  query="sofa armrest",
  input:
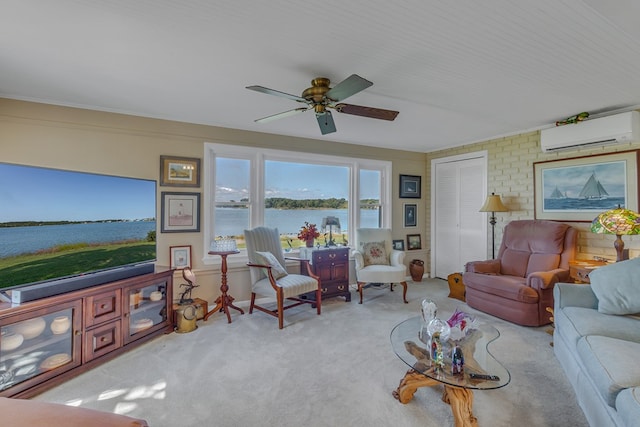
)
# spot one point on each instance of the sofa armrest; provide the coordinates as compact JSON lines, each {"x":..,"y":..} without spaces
{"x":490,"y":266}
{"x":396,"y":257}
{"x":572,"y":295}
{"x":22,"y":412}
{"x":359,"y":259}
{"x":545,"y":279}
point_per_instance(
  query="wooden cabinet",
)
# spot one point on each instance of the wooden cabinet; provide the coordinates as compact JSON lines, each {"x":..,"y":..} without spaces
{"x":48,"y":341}
{"x":332,"y":265}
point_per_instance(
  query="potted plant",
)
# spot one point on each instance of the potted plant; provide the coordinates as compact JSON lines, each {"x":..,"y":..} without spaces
{"x":308,"y":233}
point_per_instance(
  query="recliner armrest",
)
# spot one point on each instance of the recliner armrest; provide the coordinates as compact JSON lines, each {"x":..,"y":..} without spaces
{"x":545,"y":279}
{"x":490,"y":266}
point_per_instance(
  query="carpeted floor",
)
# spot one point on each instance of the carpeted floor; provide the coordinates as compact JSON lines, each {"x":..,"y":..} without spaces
{"x":337,"y":369}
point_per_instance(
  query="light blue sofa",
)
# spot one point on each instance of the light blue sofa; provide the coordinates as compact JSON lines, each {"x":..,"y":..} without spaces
{"x":597,"y":341}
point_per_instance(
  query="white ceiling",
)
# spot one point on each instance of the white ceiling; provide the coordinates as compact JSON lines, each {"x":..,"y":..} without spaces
{"x":458,"y":71}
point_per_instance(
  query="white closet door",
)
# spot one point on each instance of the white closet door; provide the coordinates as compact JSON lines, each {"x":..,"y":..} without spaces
{"x":459,"y":232}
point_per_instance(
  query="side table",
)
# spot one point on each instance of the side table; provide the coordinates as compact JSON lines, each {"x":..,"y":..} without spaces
{"x":332,"y":266}
{"x":579,"y":270}
{"x":224,"y":301}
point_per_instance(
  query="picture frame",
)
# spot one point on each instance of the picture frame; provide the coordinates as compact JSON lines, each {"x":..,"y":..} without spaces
{"x":414,"y":242}
{"x":398,"y":245}
{"x":410,"y":187}
{"x":179,"y":171}
{"x":180,"y":257}
{"x":410,"y":215}
{"x":580,"y":188}
{"x":180,"y":212}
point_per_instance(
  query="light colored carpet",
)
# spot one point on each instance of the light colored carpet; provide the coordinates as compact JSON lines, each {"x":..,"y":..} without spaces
{"x":337,"y":369}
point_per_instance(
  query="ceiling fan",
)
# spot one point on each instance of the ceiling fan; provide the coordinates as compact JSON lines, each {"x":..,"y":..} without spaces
{"x":320,"y":97}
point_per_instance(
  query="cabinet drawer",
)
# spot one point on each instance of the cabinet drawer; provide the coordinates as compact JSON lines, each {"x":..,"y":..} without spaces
{"x":330,"y":255}
{"x":102,"y":340}
{"x":103,"y":307}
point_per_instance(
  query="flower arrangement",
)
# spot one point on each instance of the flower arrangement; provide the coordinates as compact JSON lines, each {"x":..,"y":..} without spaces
{"x":308,"y":232}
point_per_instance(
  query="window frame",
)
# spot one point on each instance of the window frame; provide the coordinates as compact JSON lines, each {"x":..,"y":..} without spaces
{"x":258,"y":156}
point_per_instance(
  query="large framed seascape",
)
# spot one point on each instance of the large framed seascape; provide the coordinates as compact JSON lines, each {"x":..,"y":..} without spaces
{"x":180,"y":212}
{"x":179,"y":171}
{"x":580,"y":188}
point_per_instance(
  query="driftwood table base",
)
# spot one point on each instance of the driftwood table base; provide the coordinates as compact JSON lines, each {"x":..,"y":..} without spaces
{"x":460,"y":399}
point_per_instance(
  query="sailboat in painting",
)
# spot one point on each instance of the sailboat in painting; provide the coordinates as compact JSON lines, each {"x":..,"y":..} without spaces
{"x":593,"y":190}
{"x":557,"y":194}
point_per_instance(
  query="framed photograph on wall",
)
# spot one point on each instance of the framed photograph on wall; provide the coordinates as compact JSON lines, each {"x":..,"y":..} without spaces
{"x":398,"y":245}
{"x":180,"y":212}
{"x":410,"y":215}
{"x":414,"y":242}
{"x":410,"y":187}
{"x":581,"y":188}
{"x":180,"y":257}
{"x":179,"y":171}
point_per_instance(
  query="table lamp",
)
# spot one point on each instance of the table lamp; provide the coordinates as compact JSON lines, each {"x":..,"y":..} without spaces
{"x":617,"y":221}
{"x":493,"y":204}
{"x":328,"y":222}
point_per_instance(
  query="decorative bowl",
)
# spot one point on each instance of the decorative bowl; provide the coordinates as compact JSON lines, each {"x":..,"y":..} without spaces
{"x":11,"y":340}
{"x":155,"y":296}
{"x":60,"y":325}
{"x":30,"y":328}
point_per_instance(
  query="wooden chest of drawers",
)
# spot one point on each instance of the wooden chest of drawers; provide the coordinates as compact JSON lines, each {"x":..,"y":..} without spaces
{"x":332,"y":265}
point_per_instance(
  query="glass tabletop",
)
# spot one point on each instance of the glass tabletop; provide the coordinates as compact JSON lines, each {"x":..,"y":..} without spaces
{"x":413,"y":349}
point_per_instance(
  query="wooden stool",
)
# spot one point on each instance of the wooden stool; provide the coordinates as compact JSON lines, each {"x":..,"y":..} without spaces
{"x":456,"y":287}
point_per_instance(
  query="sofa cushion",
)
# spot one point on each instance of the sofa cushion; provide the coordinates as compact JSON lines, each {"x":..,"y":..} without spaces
{"x":277,"y":270}
{"x":617,"y":287}
{"x":611,"y":363}
{"x":576,"y":322}
{"x":375,"y":253}
{"x":542,"y":262}
{"x":628,"y":406}
{"x":514,"y":262}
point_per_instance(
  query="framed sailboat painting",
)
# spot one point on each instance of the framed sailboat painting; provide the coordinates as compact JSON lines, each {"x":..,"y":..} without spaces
{"x":580,"y":188}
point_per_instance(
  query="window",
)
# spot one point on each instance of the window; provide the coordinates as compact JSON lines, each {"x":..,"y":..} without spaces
{"x":246,"y":187}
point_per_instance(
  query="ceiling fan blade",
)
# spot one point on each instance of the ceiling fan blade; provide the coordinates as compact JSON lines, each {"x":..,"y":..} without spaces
{"x":349,"y":86}
{"x":268,"y":91}
{"x":282,"y":115}
{"x":326,"y":123}
{"x":374,"y":113}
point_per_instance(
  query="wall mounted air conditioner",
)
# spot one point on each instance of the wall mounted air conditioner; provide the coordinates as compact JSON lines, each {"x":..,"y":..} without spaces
{"x":623,"y":127}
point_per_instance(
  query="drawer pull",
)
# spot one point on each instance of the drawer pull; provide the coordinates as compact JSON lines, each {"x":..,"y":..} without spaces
{"x":325,"y":290}
{"x":341,"y":287}
{"x":103,"y":339}
{"x":103,"y":306}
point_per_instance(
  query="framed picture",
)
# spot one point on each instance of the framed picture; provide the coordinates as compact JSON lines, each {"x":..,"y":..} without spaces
{"x":410,"y":187}
{"x":180,"y":212}
{"x":410,"y":215}
{"x":179,"y":171}
{"x":414,"y":242}
{"x":580,"y":188}
{"x":180,"y":257}
{"x":398,"y":245}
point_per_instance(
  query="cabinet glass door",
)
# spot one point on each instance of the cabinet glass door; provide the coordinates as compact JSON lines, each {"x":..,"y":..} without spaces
{"x":37,"y":346}
{"x":147,"y":307}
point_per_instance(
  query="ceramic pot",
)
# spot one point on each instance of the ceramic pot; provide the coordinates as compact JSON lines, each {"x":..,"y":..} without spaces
{"x":416,"y":268}
{"x":10,"y":340}
{"x":60,"y":325}
{"x":30,"y":328}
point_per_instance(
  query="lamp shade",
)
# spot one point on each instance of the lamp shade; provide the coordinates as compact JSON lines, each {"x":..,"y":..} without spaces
{"x":618,"y":221}
{"x":493,"y":204}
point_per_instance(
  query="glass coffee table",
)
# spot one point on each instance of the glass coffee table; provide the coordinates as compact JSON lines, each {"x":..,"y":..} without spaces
{"x":413,"y":349}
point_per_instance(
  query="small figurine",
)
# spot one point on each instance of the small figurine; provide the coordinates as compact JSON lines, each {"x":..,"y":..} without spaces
{"x":457,"y":361}
{"x":190,"y":277}
{"x":574,"y":119}
{"x":437,"y":355}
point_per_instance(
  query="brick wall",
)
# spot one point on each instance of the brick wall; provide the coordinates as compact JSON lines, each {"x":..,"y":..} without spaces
{"x":510,"y":174}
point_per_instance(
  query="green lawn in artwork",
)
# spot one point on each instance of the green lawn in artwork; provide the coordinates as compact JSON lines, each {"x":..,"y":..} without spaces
{"x":70,"y":260}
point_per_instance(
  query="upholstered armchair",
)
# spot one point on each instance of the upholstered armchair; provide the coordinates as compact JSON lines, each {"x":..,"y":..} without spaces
{"x":376,"y":260}
{"x":269,"y":277}
{"x":518,"y":285}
